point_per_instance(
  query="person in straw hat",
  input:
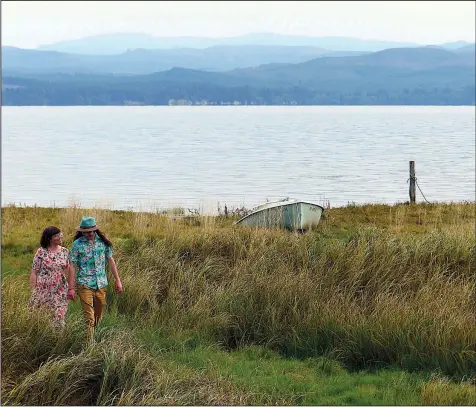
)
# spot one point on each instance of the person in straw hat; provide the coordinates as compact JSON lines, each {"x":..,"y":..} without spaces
{"x":89,"y":253}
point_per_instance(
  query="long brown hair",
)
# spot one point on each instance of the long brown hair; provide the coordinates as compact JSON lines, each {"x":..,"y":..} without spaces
{"x":101,"y":235}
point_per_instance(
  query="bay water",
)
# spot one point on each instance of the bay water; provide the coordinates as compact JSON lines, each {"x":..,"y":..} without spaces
{"x":203,"y":157}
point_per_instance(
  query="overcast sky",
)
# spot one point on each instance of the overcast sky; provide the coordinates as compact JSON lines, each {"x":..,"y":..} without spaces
{"x":29,"y":24}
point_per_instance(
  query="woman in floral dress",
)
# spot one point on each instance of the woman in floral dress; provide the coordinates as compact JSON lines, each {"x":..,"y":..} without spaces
{"x":48,"y":278}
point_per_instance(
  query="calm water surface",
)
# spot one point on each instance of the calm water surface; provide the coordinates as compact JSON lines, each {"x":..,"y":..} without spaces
{"x":195,"y":157}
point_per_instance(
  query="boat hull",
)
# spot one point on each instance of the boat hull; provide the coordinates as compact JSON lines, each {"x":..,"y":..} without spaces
{"x":300,"y":216}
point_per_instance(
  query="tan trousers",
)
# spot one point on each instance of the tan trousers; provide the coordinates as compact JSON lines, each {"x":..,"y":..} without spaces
{"x":93,"y":303}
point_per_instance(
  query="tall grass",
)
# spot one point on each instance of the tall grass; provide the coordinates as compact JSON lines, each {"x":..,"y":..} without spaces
{"x":117,"y":371}
{"x":376,"y":299}
{"x":373,"y":286}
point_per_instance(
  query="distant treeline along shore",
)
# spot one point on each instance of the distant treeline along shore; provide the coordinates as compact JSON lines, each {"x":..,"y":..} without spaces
{"x":241,"y":75}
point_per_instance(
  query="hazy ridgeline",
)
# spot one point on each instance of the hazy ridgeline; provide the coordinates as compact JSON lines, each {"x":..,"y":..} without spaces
{"x":373,"y":287}
{"x":242,"y":75}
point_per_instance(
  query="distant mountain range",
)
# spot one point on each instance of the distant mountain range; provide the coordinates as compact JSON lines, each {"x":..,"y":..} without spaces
{"x":26,"y":62}
{"x":17,"y":61}
{"x":117,"y":43}
{"x":424,"y":75}
{"x":120,"y":42}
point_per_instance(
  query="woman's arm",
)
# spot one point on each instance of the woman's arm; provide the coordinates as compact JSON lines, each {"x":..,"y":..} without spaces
{"x":37,"y":261}
{"x":33,"y":279}
{"x":71,"y":275}
{"x":71,"y":282}
{"x":112,"y":266}
{"x":73,"y":270}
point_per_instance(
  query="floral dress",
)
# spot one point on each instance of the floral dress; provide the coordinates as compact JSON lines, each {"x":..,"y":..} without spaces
{"x":51,"y":283}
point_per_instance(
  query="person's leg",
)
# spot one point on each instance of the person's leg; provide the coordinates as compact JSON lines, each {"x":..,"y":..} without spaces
{"x":99,"y":305}
{"x":86,"y":295}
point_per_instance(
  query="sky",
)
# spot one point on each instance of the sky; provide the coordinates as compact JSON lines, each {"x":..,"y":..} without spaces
{"x":30,"y":24}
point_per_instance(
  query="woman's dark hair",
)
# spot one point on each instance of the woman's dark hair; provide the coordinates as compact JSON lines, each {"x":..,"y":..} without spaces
{"x":47,"y":234}
{"x":102,"y":236}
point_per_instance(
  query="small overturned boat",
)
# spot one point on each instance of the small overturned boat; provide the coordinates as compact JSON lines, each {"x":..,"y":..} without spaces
{"x":290,"y":214}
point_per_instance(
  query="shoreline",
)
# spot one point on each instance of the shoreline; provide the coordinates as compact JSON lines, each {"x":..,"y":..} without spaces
{"x":228,"y":105}
{"x":184,"y":211}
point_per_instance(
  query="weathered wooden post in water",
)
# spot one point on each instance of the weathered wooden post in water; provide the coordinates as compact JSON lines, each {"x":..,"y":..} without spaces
{"x":412,"y":182}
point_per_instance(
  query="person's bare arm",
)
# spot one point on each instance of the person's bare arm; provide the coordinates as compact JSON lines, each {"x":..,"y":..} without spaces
{"x":33,"y":279}
{"x":37,"y":262}
{"x":118,"y":283}
{"x":71,"y":281}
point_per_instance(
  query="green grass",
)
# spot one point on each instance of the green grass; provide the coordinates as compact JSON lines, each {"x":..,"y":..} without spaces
{"x":276,"y":380}
{"x":375,"y":307}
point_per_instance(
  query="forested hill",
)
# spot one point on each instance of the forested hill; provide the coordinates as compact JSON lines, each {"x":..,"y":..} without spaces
{"x":405,"y":76}
{"x":18,"y":61}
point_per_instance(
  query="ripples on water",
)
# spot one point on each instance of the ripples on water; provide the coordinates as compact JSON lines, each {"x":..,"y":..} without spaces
{"x":194,"y":157}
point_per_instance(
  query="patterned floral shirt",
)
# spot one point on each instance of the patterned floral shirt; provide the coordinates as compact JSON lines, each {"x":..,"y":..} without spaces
{"x":90,"y":257}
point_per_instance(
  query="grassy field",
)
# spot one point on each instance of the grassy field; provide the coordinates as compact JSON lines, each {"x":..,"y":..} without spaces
{"x":375,"y":307}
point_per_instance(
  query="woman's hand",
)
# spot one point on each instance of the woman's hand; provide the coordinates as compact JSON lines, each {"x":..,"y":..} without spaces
{"x":71,"y":294}
{"x":118,"y":286}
